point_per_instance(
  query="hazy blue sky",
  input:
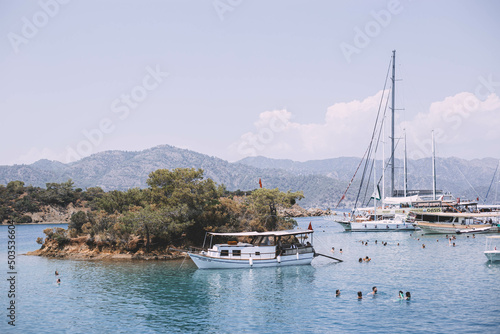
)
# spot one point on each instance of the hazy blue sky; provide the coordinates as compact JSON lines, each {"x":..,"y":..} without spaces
{"x":231,"y":78}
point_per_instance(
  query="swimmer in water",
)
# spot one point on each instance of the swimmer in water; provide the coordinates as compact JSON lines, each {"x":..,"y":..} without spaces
{"x":58,"y":281}
{"x":360,"y":260}
{"x":337,"y":293}
{"x":374,"y":291}
{"x":57,"y":274}
{"x":408,"y":295}
{"x":360,"y":295}
{"x":401,"y":295}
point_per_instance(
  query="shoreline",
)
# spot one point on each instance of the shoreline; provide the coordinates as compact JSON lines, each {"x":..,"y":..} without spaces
{"x":44,"y":223}
{"x":81,"y":249}
{"x":108,"y":256}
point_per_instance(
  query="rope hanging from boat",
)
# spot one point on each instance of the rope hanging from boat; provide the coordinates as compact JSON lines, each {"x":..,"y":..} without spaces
{"x":376,"y":148}
{"x":492,"y":180}
{"x":352,"y":179}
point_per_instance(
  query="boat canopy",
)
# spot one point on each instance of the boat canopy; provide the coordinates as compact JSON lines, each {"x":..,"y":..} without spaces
{"x":401,"y":200}
{"x":271,"y":233}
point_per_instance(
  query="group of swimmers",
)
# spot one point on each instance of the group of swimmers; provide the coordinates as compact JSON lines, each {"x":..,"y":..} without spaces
{"x":333,"y":250}
{"x":374,"y":291}
{"x":365,"y":243}
{"x":366,"y":259}
{"x":58,"y":281}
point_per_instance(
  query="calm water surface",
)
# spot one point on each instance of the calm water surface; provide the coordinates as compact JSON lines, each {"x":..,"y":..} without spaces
{"x":454,"y":289}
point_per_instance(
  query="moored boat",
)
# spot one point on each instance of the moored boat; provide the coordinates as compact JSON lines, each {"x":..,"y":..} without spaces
{"x":459,"y":222}
{"x":398,"y":223}
{"x":491,"y":252}
{"x":256,"y":249}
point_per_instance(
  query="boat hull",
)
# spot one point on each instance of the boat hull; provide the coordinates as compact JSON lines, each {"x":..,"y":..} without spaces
{"x":205,"y":262}
{"x":493,"y":255}
{"x":436,"y":228}
{"x":380,"y":226}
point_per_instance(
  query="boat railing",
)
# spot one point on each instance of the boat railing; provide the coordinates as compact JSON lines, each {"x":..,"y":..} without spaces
{"x":230,"y":254}
{"x":195,"y":250}
{"x":244,"y":256}
{"x":295,"y":250}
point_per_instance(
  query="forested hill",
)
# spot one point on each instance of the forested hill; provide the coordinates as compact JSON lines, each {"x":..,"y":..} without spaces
{"x":322,"y":181}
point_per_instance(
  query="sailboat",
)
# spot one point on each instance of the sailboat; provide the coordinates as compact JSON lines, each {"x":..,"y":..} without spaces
{"x":366,"y":220}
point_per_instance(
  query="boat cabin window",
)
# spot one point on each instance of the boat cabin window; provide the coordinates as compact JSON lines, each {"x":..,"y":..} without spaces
{"x":224,"y":252}
{"x":257,"y":253}
{"x":236,"y":252}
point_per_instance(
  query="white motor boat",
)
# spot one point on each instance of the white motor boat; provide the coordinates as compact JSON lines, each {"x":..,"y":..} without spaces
{"x":256,"y":249}
{"x":492,"y":251}
{"x":362,"y":224}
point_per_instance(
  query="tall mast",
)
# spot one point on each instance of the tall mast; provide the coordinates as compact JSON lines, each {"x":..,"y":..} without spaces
{"x":383,"y":161}
{"x":405,"y":183}
{"x":375,"y":190}
{"x":433,"y":167}
{"x":392,"y":127}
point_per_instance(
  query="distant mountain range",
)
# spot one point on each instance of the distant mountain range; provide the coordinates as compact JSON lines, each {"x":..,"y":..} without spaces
{"x":322,"y":181}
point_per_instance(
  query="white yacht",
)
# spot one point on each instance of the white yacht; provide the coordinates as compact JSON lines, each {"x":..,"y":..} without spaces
{"x":366,"y":224}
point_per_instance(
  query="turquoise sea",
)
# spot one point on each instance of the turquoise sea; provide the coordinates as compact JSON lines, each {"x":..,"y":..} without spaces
{"x":454,"y":290}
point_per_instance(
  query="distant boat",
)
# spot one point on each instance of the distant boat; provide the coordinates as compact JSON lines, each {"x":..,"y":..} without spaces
{"x":458,"y":222}
{"x":398,"y":223}
{"x":260,"y":249}
{"x":491,"y":252}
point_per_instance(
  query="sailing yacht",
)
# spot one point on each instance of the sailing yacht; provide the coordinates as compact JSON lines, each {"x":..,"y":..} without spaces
{"x":367,"y":219}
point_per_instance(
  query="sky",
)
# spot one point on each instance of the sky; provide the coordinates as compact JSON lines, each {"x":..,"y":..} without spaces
{"x":287,"y":79}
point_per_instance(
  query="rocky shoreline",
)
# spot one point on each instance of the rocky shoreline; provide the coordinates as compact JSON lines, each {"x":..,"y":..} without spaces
{"x":296,"y":211}
{"x":84,"y":248}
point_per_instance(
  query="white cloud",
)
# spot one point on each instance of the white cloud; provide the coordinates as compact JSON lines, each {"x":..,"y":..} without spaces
{"x":464,"y":126}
